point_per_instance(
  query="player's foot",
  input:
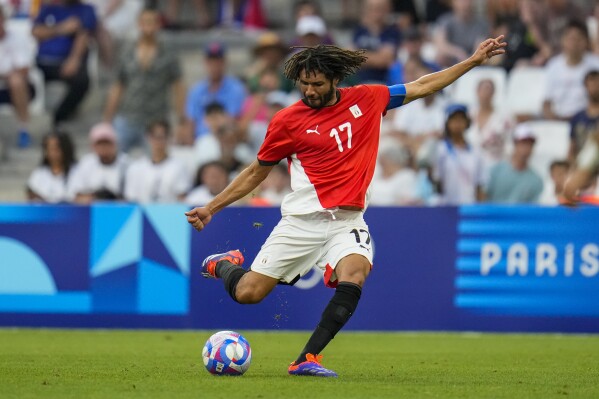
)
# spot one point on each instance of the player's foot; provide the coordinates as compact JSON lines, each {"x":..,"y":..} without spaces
{"x":311,"y":367}
{"x":209,"y":264}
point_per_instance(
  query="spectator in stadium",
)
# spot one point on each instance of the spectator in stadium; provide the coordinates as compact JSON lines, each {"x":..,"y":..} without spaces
{"x":459,"y":32}
{"x":420,"y":124}
{"x":211,"y":179}
{"x":218,"y":86}
{"x":16,"y":54}
{"x":379,"y":38}
{"x":49,"y":181}
{"x":305,"y":7}
{"x":99,"y":175}
{"x":519,"y":30}
{"x":159,"y":177}
{"x":458,"y":170}
{"x":254,"y":107}
{"x":564,"y":91}
{"x":147,"y":72}
{"x":63,"y":30}
{"x":514,"y":181}
{"x":228,"y":138}
{"x":406,"y":14}
{"x":410,"y":51}
{"x":554,"y":188}
{"x":269,"y":52}
{"x":207,"y":147}
{"x":116,"y":24}
{"x":490,"y":127}
{"x":395,"y":181}
{"x":585,"y":122}
{"x":583,"y":180}
{"x":253,"y":136}
{"x":276,"y":185}
{"x":311,"y":30}
{"x":549,"y":19}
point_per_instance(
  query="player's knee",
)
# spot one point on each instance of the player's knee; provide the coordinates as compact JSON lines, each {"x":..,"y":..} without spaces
{"x":355,"y":275}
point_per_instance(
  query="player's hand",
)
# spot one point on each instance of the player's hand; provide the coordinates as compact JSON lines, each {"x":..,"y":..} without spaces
{"x":199,"y":217}
{"x":489,"y":49}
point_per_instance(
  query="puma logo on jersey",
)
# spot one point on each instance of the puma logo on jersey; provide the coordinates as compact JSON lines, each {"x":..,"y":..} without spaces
{"x":315,"y":130}
{"x":355,"y":110}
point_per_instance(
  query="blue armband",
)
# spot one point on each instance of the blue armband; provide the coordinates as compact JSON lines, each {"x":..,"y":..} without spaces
{"x":398,"y":95}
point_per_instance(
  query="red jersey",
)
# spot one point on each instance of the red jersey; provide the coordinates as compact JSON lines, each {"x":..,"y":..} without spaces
{"x":331,"y":151}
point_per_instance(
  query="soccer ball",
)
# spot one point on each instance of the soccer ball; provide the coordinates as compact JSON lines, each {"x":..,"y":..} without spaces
{"x":227,"y":353}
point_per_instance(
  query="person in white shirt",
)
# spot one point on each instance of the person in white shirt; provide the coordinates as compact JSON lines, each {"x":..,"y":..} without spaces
{"x":458,"y":171}
{"x":207,"y":147}
{"x":211,"y":179}
{"x":158,"y":178}
{"x":395,"y":184}
{"x":99,"y":175}
{"x":490,"y":127}
{"x":565,"y":93}
{"x":49,"y":181}
{"x":16,"y":56}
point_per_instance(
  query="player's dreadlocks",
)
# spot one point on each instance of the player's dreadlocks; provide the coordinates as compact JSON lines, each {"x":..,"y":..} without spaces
{"x":332,"y":61}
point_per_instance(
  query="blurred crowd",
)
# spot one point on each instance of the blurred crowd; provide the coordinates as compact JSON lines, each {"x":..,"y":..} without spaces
{"x":157,"y":140}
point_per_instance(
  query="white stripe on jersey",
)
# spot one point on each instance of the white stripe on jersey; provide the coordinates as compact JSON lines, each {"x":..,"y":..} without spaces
{"x":303,"y":199}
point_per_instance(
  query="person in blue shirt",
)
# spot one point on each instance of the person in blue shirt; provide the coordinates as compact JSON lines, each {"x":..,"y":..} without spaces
{"x":63,"y":30}
{"x":379,"y":39}
{"x":216,"y":87}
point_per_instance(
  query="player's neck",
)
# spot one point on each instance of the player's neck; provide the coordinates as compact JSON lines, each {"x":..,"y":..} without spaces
{"x":336,"y":98}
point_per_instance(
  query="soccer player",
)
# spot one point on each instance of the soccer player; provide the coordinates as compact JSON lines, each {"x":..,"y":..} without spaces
{"x":330,"y":139}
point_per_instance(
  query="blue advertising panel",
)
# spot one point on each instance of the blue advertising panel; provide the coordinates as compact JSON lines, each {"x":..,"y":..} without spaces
{"x":472,"y":268}
{"x":528,"y":261}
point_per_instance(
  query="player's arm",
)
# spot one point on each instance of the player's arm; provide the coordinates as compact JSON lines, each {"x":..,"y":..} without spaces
{"x":242,"y":185}
{"x":434,"y":82}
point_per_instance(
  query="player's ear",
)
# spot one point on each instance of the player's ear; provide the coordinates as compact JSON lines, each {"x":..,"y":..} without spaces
{"x":336,"y":81}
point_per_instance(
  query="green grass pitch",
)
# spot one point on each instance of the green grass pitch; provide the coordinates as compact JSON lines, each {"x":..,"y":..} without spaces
{"x":167,"y":364}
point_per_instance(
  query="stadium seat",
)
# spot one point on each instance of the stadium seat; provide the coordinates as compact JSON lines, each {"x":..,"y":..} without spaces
{"x":525,"y":90}
{"x":464,"y":89}
{"x":553,"y":142}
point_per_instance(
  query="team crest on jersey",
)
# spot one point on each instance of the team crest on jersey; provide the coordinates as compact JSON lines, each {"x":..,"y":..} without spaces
{"x":355,"y":110}
{"x":315,"y":130}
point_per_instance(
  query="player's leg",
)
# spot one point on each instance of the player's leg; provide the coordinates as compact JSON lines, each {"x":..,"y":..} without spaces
{"x":351,"y":274}
{"x":244,"y":286}
{"x":288,"y":253}
{"x":349,"y":252}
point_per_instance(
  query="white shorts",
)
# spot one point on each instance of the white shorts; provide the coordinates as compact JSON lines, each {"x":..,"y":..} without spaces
{"x":321,"y":239}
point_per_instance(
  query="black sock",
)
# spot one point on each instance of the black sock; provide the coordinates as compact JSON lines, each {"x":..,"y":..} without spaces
{"x":230,"y":274}
{"x":335,"y":315}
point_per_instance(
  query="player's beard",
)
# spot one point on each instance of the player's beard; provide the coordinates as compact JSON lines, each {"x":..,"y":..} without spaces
{"x":323,"y":100}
